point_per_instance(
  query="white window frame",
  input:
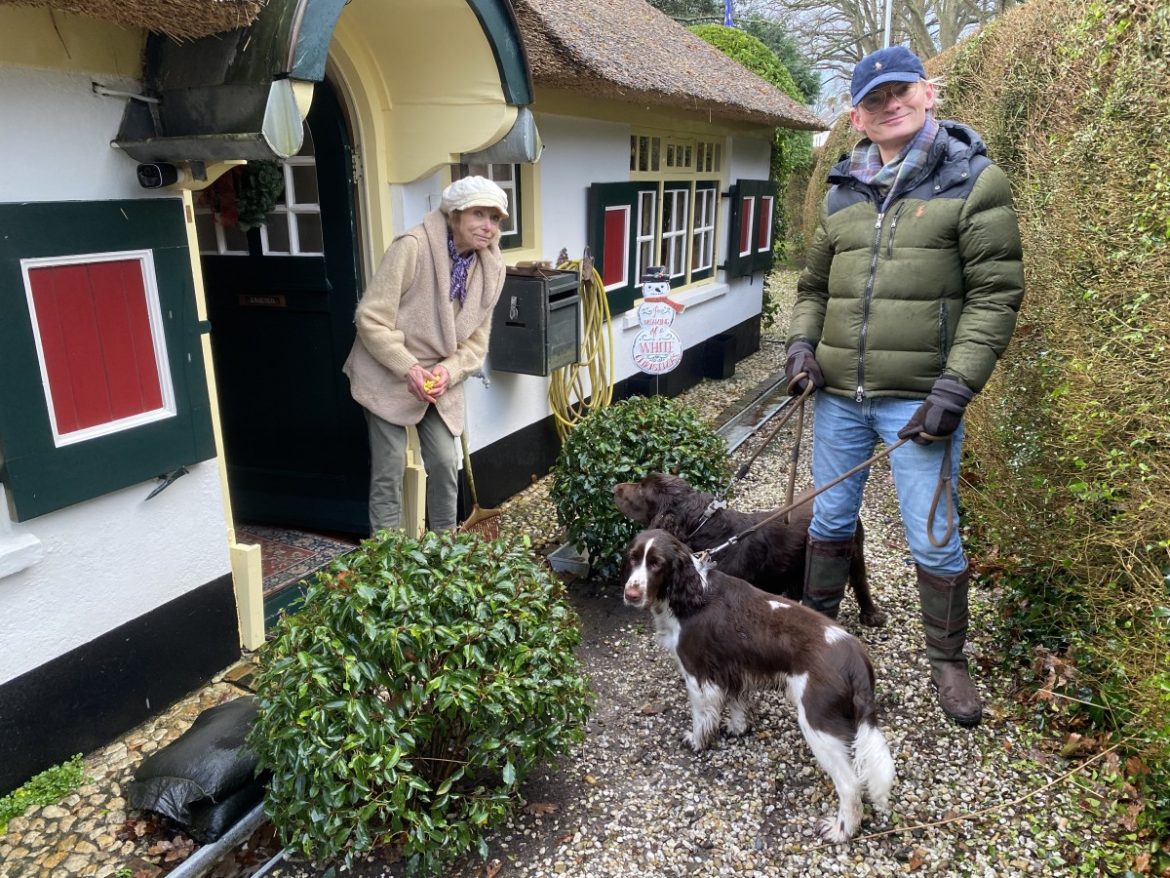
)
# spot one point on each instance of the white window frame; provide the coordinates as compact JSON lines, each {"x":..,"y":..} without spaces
{"x":647,"y":200}
{"x":703,"y":234}
{"x":674,"y":240}
{"x":290,"y":207}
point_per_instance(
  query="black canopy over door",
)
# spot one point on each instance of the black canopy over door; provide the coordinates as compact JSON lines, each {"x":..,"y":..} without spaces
{"x":282,"y":325}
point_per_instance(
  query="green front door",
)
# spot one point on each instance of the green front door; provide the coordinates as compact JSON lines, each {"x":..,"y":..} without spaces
{"x":281,"y":303}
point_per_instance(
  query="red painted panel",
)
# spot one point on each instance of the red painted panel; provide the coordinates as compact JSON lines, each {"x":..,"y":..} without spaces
{"x":617,"y":230}
{"x":95,"y":335}
{"x":745,"y":225}
{"x":764,"y":232}
{"x":124,"y":327}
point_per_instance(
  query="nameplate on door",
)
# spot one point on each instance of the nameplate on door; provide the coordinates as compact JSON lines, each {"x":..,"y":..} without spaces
{"x":263,"y":302}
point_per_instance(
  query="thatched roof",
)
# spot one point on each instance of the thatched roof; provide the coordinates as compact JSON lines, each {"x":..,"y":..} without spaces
{"x":181,"y":19}
{"x":629,"y":51}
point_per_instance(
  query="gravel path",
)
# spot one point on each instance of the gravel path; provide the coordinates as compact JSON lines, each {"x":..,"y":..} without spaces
{"x":633,"y":801}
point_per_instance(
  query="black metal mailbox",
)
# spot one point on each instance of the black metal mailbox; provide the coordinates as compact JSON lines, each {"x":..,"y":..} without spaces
{"x":536,"y":326}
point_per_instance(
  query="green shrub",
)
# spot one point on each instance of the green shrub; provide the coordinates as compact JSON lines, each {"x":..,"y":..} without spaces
{"x":404,"y":704}
{"x":623,"y":443}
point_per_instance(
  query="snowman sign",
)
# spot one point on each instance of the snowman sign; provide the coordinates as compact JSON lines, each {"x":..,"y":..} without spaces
{"x":657,"y":349}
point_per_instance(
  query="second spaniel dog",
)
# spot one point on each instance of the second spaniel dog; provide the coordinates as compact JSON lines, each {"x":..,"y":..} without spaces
{"x":730,"y":638}
{"x":771,"y":558}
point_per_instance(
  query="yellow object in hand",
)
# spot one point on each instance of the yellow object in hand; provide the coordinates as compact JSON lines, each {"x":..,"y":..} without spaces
{"x":429,"y":384}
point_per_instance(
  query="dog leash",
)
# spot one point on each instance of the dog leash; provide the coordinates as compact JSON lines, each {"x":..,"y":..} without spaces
{"x":719,"y":501}
{"x":942,"y":488}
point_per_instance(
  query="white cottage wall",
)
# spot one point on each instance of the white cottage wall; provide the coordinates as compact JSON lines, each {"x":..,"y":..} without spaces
{"x":55,"y":140}
{"x":106,"y":561}
{"x":579,"y":152}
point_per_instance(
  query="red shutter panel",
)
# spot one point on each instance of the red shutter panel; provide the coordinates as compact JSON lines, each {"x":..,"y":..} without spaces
{"x":99,"y":352}
{"x":764,"y":230}
{"x":746,"y":218}
{"x":615,"y":247}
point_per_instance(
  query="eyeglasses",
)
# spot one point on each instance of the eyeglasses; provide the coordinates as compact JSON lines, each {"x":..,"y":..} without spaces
{"x":877,"y":99}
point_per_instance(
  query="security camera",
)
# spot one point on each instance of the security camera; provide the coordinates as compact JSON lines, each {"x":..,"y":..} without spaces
{"x":157,"y":175}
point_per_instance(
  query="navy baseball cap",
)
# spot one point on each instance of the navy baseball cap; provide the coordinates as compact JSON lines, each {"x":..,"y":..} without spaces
{"x":891,"y":64}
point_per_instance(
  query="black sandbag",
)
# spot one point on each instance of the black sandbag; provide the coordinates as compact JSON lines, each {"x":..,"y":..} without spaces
{"x":202,"y":770}
{"x":210,"y":820}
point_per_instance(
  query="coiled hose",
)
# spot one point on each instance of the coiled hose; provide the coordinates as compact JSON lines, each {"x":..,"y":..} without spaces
{"x":566,"y":384}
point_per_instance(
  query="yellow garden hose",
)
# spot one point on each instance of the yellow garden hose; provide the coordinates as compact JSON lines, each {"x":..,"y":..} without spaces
{"x":566,"y":391}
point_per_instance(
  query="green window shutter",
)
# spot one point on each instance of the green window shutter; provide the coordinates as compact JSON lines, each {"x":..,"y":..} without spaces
{"x":749,"y":241}
{"x":40,"y":474}
{"x":616,"y":216}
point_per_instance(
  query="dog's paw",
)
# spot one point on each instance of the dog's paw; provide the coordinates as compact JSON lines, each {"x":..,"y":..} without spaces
{"x":875,"y":618}
{"x":736,"y":728}
{"x":696,"y":744}
{"x":881,"y":806}
{"x":833,"y":831}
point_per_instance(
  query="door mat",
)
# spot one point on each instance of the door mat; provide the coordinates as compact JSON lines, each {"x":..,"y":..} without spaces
{"x":287,"y":556}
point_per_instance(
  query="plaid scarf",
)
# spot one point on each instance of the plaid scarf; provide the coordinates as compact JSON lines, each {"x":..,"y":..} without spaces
{"x":865,"y":164}
{"x":460,"y":266}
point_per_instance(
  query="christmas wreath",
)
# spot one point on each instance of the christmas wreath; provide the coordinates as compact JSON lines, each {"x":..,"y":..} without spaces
{"x":246,"y":195}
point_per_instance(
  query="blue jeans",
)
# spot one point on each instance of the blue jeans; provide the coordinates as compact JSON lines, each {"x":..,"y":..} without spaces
{"x":845,"y":434}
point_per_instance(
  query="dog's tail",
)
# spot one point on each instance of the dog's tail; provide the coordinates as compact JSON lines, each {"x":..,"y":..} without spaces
{"x":872,"y":761}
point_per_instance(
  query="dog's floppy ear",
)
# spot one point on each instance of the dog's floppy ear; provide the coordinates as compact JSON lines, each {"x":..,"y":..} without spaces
{"x":687,"y":591}
{"x":667,"y":521}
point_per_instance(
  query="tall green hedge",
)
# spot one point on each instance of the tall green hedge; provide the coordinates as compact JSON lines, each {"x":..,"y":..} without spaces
{"x":1068,"y":451}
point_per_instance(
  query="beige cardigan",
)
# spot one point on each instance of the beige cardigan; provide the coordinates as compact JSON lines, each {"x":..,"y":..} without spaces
{"x":405,"y":317}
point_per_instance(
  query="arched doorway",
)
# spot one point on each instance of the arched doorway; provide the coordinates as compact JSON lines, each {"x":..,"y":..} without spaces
{"x":281,"y":299}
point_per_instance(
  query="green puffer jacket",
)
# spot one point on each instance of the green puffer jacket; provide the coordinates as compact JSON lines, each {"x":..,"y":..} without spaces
{"x":892,"y":301}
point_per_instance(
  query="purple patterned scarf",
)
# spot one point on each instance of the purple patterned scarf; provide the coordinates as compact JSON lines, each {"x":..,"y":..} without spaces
{"x":460,"y":266}
{"x":865,"y":164}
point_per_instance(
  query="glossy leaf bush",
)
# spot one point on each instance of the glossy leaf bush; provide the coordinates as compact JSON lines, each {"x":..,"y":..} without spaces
{"x":409,"y":697}
{"x":623,"y":443}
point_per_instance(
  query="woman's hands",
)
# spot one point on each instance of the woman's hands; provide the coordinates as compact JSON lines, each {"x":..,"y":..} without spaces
{"x":428,"y":386}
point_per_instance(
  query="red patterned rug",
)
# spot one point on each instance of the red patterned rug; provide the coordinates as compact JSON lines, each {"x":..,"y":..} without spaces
{"x":287,"y":556}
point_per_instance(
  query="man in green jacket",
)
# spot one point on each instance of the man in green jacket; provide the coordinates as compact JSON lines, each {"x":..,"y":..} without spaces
{"x":909,"y":297}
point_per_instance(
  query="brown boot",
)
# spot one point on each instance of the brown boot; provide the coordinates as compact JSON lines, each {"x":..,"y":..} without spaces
{"x":826,"y":571}
{"x":944,"y":618}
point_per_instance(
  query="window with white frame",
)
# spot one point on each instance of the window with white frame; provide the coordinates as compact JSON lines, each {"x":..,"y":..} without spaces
{"x":686,"y":173}
{"x":292,"y":228}
{"x":675,"y":227}
{"x":507,"y":177}
{"x":646,"y":236}
{"x":703,"y":234}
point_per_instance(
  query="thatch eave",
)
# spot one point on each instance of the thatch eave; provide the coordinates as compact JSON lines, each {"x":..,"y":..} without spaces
{"x":629,"y":51}
{"x":178,"y":19}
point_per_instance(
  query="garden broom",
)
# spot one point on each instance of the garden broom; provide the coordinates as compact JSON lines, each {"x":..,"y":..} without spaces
{"x":485,"y":522}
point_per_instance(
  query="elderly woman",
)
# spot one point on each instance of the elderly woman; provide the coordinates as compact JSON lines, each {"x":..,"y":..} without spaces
{"x":422,"y":328}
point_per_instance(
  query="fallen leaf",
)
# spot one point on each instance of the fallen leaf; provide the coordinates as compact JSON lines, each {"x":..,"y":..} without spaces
{"x":917,"y":859}
{"x":539,"y":809}
{"x":652,"y":708}
{"x":493,"y":869}
{"x":590,"y":779}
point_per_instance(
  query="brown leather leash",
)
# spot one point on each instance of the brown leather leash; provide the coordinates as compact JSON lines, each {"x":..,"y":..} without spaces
{"x":942,"y":488}
{"x":719,"y":501}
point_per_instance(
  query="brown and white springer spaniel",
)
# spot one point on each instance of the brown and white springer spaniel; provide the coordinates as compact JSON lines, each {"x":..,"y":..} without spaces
{"x":771,"y":558}
{"x":729,"y":639}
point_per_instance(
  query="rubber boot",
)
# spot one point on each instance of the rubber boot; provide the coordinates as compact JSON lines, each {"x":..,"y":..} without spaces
{"x":826,"y":572}
{"x":944,"y":618}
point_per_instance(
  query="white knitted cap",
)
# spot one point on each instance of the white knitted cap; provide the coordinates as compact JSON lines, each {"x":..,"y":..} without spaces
{"x":472,"y":192}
